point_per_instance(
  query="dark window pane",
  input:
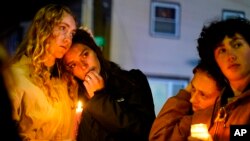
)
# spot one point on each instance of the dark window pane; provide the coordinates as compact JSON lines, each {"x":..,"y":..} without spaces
{"x":163,"y":12}
{"x":165,"y":27}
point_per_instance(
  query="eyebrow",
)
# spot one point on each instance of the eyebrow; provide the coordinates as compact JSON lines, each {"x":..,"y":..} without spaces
{"x":237,"y":38}
{"x":231,"y":42}
{"x":234,"y":39}
{"x":219,"y":45}
{"x":70,"y":62}
{"x":66,"y":24}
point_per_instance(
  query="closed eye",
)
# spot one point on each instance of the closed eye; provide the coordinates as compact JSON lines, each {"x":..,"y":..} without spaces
{"x":71,"y":66}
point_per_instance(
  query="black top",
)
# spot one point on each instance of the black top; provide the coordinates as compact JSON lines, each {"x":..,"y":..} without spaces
{"x":123,"y":111}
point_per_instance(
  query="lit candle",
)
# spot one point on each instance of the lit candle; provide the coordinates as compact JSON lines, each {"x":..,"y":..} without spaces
{"x":79,"y":109}
{"x":199,"y":131}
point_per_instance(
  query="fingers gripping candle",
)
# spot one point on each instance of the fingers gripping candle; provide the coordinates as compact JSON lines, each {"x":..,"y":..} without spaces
{"x":199,"y":131}
{"x":79,"y":109}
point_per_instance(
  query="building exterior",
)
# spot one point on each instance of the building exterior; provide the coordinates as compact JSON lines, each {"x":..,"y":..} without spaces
{"x":133,"y":45}
{"x":155,"y":36}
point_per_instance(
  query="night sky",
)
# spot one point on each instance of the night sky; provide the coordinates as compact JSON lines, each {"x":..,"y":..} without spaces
{"x":12,"y":12}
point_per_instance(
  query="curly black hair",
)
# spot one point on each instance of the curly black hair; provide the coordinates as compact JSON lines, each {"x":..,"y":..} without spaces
{"x":212,"y":35}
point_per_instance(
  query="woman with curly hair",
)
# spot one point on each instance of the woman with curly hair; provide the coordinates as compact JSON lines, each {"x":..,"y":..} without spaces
{"x":42,"y":106}
{"x":224,"y":46}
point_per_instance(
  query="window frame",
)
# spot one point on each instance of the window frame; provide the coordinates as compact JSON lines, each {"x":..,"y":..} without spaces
{"x":226,"y":13}
{"x":177,"y":12}
{"x":164,"y":87}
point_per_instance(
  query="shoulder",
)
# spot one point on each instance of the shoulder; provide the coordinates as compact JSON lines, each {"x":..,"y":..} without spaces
{"x":21,"y":67}
{"x":136,"y":72}
{"x":133,"y":75}
{"x":19,"y":72}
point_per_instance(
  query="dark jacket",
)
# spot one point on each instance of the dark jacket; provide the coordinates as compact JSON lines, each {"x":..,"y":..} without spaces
{"x":123,"y":111}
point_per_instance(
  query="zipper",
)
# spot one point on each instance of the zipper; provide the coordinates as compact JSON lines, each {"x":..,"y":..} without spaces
{"x":220,"y":120}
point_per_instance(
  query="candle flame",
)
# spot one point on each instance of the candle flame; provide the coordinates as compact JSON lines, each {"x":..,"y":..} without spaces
{"x":79,"y":107}
{"x":199,"y":131}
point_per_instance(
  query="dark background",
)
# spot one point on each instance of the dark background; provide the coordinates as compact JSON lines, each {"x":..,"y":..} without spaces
{"x":12,"y":12}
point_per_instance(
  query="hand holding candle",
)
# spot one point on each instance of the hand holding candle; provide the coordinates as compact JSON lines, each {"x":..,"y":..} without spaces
{"x":199,"y":132}
{"x":79,"y":109}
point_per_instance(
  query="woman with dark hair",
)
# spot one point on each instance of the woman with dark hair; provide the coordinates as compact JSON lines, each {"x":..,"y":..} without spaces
{"x":118,"y":103}
{"x":173,"y":122}
{"x":224,"y":46}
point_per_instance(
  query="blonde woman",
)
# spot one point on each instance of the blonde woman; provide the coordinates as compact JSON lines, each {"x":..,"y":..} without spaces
{"x":42,"y":106}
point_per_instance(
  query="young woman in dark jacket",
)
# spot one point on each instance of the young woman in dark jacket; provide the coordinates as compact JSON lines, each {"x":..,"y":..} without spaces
{"x":118,"y":104}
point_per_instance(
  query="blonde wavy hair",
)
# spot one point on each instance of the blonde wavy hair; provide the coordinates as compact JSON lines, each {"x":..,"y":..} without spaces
{"x":34,"y":43}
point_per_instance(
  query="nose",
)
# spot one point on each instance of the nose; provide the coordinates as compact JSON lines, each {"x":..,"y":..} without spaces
{"x":67,"y":38}
{"x":83,"y":64}
{"x":81,"y":69}
{"x":193,"y":98}
{"x":231,"y":56}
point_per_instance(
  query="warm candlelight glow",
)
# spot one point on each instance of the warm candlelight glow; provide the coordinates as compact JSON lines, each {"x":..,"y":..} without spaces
{"x":199,"y":131}
{"x":79,"y":107}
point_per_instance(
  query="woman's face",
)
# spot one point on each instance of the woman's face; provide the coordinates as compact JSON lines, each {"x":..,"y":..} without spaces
{"x":204,"y":91}
{"x":80,"y":60}
{"x":61,"y":39}
{"x":233,"y":58}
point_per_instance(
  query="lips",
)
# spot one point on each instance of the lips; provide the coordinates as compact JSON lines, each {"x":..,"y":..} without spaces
{"x":64,"y":47}
{"x":233,"y":66}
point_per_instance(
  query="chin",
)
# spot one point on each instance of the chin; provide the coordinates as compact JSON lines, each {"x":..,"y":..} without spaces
{"x":60,"y":56}
{"x":195,"y":109}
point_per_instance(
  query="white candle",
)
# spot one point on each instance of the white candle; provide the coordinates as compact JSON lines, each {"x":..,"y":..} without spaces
{"x":199,"y":131}
{"x":79,"y":109}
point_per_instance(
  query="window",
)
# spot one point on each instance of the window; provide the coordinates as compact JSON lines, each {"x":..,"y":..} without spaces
{"x":165,"y":19}
{"x":164,"y":87}
{"x":226,"y":14}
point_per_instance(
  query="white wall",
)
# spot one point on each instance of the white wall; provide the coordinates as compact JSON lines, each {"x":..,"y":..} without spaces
{"x":133,"y":47}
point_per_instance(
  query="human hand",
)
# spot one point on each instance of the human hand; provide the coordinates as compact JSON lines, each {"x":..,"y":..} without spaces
{"x":190,"y":138}
{"x":199,"y":132}
{"x":93,"y":82}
